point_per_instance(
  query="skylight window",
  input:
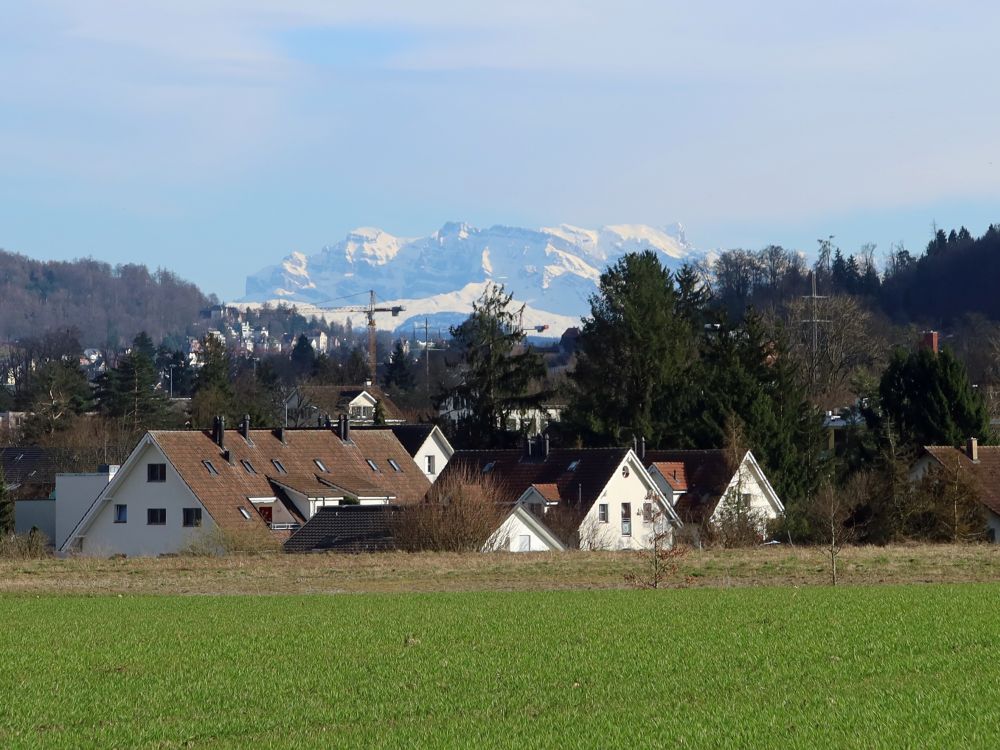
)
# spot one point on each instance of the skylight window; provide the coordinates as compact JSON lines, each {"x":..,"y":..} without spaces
{"x":372,"y":464}
{"x":321,"y":466}
{"x":248,"y":466}
{"x":573,"y":465}
{"x":210,"y":467}
{"x":394,"y":465}
{"x":279,"y":466}
{"x":244,"y":512}
{"x":489,"y":467}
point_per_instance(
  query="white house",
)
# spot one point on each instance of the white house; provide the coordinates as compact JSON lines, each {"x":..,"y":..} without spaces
{"x":701,"y":485}
{"x":530,"y":421}
{"x":601,"y":498}
{"x":428,"y":445}
{"x":982,"y":464}
{"x":523,"y":531}
{"x":309,"y":405}
{"x":179,"y":488}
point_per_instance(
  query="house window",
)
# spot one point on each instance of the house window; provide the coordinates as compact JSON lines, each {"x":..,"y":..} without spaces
{"x":524,"y":543}
{"x":192,"y":516}
{"x":430,"y":465}
{"x":320,"y":465}
{"x":647,"y":512}
{"x":279,"y":466}
{"x":156,"y":472}
{"x":394,"y":465}
{"x":156,"y":517}
{"x":248,"y":466}
{"x":244,"y":512}
{"x":626,"y":519}
{"x":121,"y":514}
{"x":210,"y":468}
{"x":371,"y":464}
{"x":602,"y":512}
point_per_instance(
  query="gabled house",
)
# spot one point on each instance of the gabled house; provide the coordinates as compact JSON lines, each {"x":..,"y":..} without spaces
{"x":982,"y":465}
{"x":179,"y":487}
{"x":701,"y":484}
{"x":599,"y":498}
{"x":428,"y":446}
{"x":310,"y":405}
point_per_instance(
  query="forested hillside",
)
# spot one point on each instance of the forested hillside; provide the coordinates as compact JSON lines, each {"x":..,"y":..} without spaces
{"x":107,"y":304}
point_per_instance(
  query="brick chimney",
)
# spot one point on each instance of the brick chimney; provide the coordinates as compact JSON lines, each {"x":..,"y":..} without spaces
{"x":972,"y":449}
{"x":930,"y":341}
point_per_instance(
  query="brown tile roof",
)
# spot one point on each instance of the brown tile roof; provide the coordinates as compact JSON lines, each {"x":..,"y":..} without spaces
{"x":673,"y":472}
{"x":705,"y":474}
{"x":575,"y":477}
{"x":346,"y":467}
{"x":549,"y":491}
{"x":985,"y":473}
{"x":334,"y":399}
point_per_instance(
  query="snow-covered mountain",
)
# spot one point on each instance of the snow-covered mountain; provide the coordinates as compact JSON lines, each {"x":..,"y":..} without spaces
{"x":553,"y":270}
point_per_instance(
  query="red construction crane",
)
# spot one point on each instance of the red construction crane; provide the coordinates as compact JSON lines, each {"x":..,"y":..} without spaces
{"x":369,"y":310}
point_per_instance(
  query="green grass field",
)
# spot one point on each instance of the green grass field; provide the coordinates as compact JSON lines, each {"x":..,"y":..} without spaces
{"x":884,"y":667}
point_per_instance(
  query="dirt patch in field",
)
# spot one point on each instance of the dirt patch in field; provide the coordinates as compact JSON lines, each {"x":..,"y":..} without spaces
{"x":392,"y":572}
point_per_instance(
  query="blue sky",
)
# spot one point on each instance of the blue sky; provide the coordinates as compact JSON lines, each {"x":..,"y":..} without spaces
{"x":214,"y":138}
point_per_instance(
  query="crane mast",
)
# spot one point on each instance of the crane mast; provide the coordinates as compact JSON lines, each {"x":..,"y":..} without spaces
{"x":369,"y":311}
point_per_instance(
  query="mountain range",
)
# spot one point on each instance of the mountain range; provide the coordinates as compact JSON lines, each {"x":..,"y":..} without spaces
{"x":552,"y":271}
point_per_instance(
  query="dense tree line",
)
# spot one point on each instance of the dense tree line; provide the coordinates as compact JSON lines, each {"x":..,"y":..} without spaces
{"x":107,"y":304}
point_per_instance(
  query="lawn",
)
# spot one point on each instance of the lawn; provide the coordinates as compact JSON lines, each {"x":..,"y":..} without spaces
{"x":888,"y":666}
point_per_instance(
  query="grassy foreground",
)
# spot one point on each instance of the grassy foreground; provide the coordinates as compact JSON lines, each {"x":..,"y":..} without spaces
{"x":891,"y":666}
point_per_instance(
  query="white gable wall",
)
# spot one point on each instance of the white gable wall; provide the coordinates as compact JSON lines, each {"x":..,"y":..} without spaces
{"x":435,"y":446}
{"x":747,"y":482}
{"x":621,"y":489}
{"x":136,"y":537}
{"x":514,"y":535}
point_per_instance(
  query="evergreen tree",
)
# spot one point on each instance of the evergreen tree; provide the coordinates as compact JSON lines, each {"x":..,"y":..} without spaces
{"x":379,"y":416}
{"x":356,"y":367}
{"x":497,"y":371}
{"x":213,"y":387}
{"x":693,"y":296}
{"x":58,"y":393}
{"x":303,"y":357}
{"x":6,"y":507}
{"x":399,"y":374}
{"x":130,"y":393}
{"x":928,"y":400}
{"x":634,"y":356}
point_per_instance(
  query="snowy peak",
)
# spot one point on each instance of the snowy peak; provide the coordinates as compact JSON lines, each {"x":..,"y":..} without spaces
{"x":553,"y":269}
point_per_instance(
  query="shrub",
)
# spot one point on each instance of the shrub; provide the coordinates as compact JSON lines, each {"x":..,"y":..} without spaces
{"x":28,"y":546}
{"x":461,"y":513}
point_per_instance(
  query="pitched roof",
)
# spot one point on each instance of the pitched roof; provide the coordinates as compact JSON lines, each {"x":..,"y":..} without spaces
{"x":27,"y":464}
{"x":344,"y":466}
{"x":576,"y":477}
{"x":985,"y":473}
{"x":412,"y":436}
{"x":701,"y":475}
{"x":334,"y":399}
{"x":348,"y":528}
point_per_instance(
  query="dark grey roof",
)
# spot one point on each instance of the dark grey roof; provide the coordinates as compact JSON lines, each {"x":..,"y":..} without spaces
{"x":412,"y":436}
{"x":346,"y":528}
{"x":27,"y":465}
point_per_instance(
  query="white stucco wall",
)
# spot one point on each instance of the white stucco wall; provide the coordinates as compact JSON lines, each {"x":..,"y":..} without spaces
{"x":39,"y":514}
{"x":75,"y":493}
{"x":432,"y":447}
{"x":746,"y":482}
{"x":620,"y":489}
{"x":516,"y":536}
{"x":992,"y":526}
{"x":136,"y":537}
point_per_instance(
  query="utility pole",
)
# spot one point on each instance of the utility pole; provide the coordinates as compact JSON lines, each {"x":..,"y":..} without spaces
{"x":427,"y":356}
{"x":814,"y":321}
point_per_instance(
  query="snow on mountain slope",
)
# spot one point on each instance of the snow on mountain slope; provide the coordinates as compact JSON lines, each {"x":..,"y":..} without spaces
{"x":553,"y":270}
